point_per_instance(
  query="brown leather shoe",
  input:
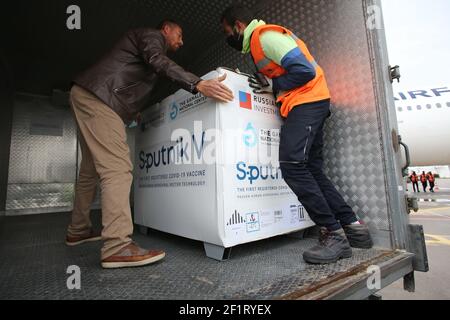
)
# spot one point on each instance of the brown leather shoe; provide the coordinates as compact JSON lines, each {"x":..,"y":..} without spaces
{"x":132,"y":256}
{"x":74,"y":241}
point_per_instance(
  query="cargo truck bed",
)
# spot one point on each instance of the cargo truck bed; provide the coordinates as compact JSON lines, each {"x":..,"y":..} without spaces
{"x":34,"y":261}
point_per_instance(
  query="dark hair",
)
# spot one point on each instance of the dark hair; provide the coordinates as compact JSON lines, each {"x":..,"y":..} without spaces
{"x":167,"y":22}
{"x":235,"y":13}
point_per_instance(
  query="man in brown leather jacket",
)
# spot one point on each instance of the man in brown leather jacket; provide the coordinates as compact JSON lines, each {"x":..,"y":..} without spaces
{"x":104,"y":99}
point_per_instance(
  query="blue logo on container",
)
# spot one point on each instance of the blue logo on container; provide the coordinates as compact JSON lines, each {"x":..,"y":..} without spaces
{"x":250,"y":136}
{"x":174,"y":111}
{"x":257,"y":173}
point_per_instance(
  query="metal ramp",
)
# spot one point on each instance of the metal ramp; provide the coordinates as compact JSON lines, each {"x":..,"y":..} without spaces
{"x":35,"y":260}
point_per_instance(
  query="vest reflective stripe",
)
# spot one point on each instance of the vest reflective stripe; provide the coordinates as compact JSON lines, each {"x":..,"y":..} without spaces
{"x":263,"y":63}
{"x":313,"y":91}
{"x":313,"y":62}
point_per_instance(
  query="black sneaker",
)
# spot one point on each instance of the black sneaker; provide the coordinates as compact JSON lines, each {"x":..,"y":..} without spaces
{"x":332,"y":247}
{"x":358,"y":236}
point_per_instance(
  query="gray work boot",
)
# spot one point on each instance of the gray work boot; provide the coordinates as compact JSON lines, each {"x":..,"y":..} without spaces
{"x":358,"y":236}
{"x":333,"y":245}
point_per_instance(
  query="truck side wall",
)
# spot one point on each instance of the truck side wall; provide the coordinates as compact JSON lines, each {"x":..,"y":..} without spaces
{"x":42,"y":166}
{"x":6,"y":111}
{"x":395,"y":185}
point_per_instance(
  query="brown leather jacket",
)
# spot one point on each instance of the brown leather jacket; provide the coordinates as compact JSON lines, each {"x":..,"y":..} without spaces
{"x":125,"y":77}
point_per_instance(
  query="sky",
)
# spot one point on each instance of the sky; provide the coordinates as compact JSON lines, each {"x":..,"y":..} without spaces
{"x":418,"y":36}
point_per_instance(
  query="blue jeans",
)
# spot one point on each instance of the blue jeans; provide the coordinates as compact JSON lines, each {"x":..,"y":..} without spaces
{"x":301,"y":160}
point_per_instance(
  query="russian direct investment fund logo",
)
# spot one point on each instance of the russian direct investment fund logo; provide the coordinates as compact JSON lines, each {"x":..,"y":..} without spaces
{"x":245,"y":100}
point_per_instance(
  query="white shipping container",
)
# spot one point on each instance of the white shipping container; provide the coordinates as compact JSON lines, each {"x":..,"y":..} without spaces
{"x":209,"y":171}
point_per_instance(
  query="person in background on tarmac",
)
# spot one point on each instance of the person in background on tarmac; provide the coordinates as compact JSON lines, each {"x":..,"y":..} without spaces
{"x":415,"y":182}
{"x":431,"y":180}
{"x":104,"y":99}
{"x":424,"y":180}
{"x":289,"y":71}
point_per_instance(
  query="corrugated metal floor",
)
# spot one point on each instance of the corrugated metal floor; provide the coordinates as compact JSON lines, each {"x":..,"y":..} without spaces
{"x":34,"y":260}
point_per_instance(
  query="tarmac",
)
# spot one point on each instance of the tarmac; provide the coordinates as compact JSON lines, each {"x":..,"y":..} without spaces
{"x":434,"y":215}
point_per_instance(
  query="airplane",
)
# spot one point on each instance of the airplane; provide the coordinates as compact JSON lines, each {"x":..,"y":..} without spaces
{"x":424,"y":124}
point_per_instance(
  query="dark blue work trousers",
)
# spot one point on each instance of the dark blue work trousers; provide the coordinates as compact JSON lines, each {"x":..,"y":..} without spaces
{"x":301,"y":160}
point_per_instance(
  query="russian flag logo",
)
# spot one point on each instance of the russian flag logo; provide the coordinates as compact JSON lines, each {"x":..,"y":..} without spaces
{"x":245,"y":100}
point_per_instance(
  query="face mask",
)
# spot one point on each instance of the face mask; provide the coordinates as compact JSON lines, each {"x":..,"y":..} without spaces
{"x":236,"y":40}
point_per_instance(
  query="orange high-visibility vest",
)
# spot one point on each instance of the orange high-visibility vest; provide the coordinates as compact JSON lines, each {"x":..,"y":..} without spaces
{"x":313,"y":91}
